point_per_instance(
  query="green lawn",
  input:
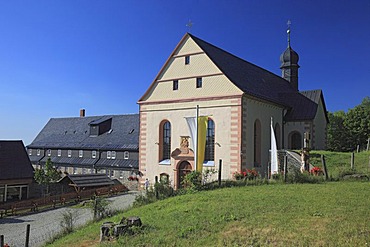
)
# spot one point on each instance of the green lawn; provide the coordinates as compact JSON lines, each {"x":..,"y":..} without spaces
{"x":328,"y":214}
{"x":338,"y":162}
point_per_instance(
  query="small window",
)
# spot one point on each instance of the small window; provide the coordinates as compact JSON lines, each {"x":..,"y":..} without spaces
{"x":109,"y":154}
{"x":126,"y":155}
{"x":59,"y":152}
{"x":74,"y":170}
{"x":121,"y":174}
{"x":187,"y":59}
{"x":175,"y":85}
{"x":113,"y":155}
{"x":80,"y":153}
{"x":93,"y":154}
{"x":38,"y":152}
{"x":49,"y":152}
{"x":29,"y":151}
{"x":69,"y":153}
{"x":199,"y":82}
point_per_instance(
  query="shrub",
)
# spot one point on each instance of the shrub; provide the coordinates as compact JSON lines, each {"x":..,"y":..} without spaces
{"x":68,"y":220}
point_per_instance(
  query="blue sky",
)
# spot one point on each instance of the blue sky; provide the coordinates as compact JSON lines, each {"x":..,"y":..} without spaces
{"x":57,"y":57}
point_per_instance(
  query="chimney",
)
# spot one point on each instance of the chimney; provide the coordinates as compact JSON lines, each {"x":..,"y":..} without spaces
{"x":82,"y":113}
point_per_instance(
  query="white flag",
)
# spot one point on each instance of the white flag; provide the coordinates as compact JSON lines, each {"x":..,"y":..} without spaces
{"x":274,"y":160}
{"x":193,"y":131}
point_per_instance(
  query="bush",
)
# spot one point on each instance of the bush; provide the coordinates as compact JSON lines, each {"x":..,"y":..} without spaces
{"x":298,"y":177}
{"x":68,"y":220}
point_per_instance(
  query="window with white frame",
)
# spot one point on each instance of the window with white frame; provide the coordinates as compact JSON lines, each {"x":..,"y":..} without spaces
{"x":69,"y":153}
{"x":49,"y":152}
{"x":109,"y":154}
{"x":121,"y":174}
{"x":59,"y":152}
{"x":38,"y":152}
{"x":80,"y":153}
{"x":29,"y":151}
{"x":74,"y":170}
{"x":113,"y":155}
{"x":126,"y":155}
{"x":93,"y":154}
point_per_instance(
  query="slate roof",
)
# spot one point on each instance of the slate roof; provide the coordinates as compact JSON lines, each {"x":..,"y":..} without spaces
{"x":88,"y":180}
{"x":250,"y":78}
{"x":74,"y":133}
{"x":261,"y":83}
{"x":14,"y":161}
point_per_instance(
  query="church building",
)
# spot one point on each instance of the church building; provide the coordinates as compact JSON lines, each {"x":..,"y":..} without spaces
{"x":239,"y":100}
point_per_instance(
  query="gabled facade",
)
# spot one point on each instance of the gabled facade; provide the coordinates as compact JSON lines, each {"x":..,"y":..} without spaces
{"x":16,"y":172}
{"x":239,"y":99}
{"x":88,"y":145}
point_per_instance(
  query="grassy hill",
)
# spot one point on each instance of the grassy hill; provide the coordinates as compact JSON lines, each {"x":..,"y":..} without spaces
{"x":338,"y":162}
{"x":328,"y":214}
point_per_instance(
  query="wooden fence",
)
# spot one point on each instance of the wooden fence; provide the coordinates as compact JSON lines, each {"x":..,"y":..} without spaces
{"x":34,"y":205}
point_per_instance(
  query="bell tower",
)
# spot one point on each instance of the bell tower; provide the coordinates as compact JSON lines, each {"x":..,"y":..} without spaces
{"x":289,"y":63}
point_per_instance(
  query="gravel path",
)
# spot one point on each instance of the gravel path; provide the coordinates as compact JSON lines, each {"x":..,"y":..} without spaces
{"x":45,"y":225}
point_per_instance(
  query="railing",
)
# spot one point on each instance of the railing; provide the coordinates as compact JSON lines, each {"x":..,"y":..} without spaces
{"x":294,"y":160}
{"x":33,"y":205}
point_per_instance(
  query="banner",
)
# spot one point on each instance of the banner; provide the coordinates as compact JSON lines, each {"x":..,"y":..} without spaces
{"x":274,"y":159}
{"x":202,"y":137}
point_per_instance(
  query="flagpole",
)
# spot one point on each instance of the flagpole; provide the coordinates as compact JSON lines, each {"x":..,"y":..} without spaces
{"x":196,"y":139}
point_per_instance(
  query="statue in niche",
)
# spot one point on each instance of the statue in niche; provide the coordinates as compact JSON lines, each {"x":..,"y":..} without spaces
{"x":184,"y":144}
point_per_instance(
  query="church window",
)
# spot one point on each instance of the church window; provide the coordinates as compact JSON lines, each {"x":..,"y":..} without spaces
{"x":277,"y":135}
{"x":210,"y":141}
{"x":295,"y":140}
{"x":199,"y":82}
{"x":257,"y":143}
{"x":175,"y":85}
{"x":165,"y":142}
{"x":187,"y":59}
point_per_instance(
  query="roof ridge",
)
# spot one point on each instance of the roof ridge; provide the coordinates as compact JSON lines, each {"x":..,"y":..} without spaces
{"x":239,"y":58}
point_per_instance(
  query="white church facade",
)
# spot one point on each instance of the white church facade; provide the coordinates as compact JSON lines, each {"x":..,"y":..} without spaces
{"x":239,"y":99}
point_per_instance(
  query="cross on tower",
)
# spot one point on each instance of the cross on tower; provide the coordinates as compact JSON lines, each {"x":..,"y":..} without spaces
{"x":189,"y":25}
{"x":288,"y":31}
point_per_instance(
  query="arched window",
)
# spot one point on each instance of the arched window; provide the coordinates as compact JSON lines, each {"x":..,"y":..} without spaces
{"x":277,"y":135}
{"x":257,"y":143}
{"x":295,"y":140}
{"x":210,"y":141}
{"x":165,"y":142}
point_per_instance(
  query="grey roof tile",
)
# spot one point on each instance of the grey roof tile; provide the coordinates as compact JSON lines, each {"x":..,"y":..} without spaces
{"x":261,"y":83}
{"x":14,"y":161}
{"x":74,"y":133}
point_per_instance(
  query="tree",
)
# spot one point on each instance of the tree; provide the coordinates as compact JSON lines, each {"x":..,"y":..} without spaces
{"x":357,"y":122}
{"x":47,"y":175}
{"x":337,"y":132}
